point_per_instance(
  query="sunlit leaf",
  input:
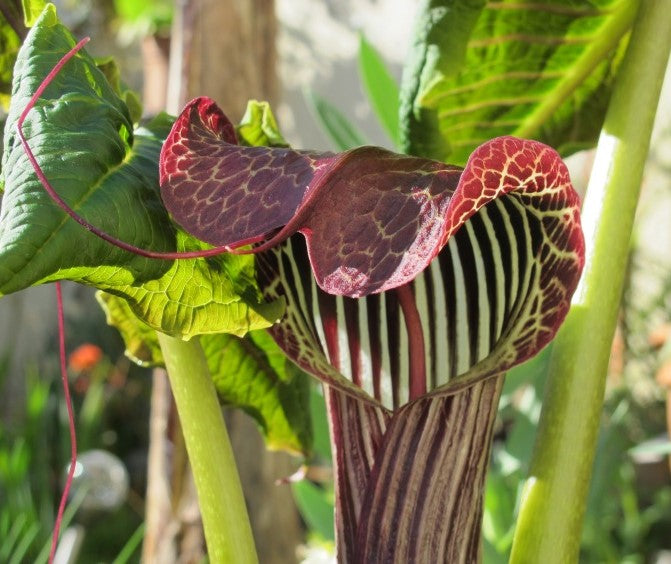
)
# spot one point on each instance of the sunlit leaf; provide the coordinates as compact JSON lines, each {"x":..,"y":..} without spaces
{"x":31,"y":10}
{"x":258,"y":126}
{"x":479,"y":69}
{"x":9,"y":47}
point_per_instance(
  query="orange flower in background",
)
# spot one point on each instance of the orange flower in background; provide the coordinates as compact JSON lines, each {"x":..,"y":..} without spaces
{"x":85,"y":357}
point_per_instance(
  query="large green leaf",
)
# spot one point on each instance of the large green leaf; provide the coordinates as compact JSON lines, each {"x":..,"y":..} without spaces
{"x":82,"y":135}
{"x":251,"y":373}
{"x":480,"y":69}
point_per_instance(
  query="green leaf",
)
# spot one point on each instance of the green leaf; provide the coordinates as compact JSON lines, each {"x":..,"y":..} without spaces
{"x":141,"y":342}
{"x":254,"y":374}
{"x":9,"y":47}
{"x":31,"y":11}
{"x":250,"y":373}
{"x":480,"y":70}
{"x":316,"y":507}
{"x":147,"y":17}
{"x":320,"y":425}
{"x":499,"y":508}
{"x":82,"y":135}
{"x":341,"y":132}
{"x":259,"y":127}
{"x":110,"y":69}
{"x":380,"y":86}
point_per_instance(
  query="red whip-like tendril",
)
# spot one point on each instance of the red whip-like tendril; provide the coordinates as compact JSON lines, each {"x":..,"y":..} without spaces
{"x":71,"y":422}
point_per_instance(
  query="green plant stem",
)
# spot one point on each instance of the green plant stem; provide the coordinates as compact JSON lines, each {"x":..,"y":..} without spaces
{"x":222,"y":504}
{"x":553,"y":503}
{"x":618,"y":23}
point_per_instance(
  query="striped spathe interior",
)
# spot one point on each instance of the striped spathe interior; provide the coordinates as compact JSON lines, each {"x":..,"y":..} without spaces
{"x":492,"y":298}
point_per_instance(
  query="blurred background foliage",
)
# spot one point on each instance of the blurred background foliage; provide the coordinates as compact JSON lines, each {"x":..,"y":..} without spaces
{"x":629,"y":511}
{"x":111,"y":399}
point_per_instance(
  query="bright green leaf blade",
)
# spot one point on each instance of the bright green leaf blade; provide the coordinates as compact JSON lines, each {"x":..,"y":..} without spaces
{"x":9,"y":47}
{"x":141,"y":343}
{"x":32,"y":10}
{"x":82,"y":135}
{"x":315,"y":507}
{"x":480,"y":70}
{"x":254,"y":374}
{"x":251,"y":373}
{"x":197,"y":296}
{"x":338,"y":128}
{"x":380,"y":86}
{"x":259,"y":126}
{"x":131,"y":546}
{"x":320,"y":425}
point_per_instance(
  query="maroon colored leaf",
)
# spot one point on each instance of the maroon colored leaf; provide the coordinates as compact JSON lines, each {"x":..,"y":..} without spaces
{"x":372,"y":219}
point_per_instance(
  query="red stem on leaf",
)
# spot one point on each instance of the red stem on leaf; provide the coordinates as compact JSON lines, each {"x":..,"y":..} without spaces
{"x":406,"y":299}
{"x":71,"y":423}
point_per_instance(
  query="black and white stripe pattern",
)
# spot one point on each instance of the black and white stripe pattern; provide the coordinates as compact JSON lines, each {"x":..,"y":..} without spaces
{"x":468,"y":298}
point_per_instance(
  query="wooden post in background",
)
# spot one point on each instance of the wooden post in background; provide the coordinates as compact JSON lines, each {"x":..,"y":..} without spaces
{"x":224,"y":49}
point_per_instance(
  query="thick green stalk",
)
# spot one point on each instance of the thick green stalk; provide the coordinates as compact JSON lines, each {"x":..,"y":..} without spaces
{"x":222,"y":504}
{"x":553,"y":504}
